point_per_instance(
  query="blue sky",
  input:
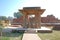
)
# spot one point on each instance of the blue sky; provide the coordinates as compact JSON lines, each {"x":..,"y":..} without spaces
{"x":8,"y":7}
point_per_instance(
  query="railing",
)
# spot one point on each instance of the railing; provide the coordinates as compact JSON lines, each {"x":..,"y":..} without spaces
{"x":50,"y":23}
{"x":42,"y":23}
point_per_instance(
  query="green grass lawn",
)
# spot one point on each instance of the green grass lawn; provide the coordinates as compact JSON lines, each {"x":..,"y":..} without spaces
{"x":55,"y":35}
{"x":12,"y":36}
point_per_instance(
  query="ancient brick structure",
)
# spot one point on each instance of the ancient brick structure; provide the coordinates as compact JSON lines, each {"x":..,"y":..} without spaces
{"x":37,"y":11}
{"x":48,"y":19}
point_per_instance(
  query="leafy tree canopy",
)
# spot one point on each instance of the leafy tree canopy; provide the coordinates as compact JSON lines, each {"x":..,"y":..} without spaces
{"x":3,"y":18}
{"x":18,"y":14}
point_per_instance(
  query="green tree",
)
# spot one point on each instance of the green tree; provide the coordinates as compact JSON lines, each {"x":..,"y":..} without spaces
{"x":0,"y":23}
{"x":10,"y":18}
{"x":1,"y":28}
{"x":3,"y":18}
{"x":18,"y":14}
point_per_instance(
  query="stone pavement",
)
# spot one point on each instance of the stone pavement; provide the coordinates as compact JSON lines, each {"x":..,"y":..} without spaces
{"x":30,"y":36}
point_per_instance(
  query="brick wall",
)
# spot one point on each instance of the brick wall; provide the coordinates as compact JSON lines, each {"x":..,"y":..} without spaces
{"x":48,"y":19}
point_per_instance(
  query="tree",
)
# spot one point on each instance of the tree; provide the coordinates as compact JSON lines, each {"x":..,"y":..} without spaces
{"x":18,"y":14}
{"x":3,"y":18}
{"x":1,"y":28}
{"x":0,"y":23}
{"x":10,"y":18}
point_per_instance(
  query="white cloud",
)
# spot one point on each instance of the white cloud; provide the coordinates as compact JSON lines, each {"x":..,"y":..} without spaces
{"x":51,"y":6}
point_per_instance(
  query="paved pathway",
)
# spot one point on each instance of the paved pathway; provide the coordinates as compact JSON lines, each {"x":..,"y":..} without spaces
{"x":30,"y":36}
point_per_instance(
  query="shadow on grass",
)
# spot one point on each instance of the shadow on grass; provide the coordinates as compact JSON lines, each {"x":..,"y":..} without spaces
{"x":6,"y":34}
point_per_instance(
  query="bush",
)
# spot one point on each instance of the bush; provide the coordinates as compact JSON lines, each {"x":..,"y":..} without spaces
{"x":17,"y":31}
